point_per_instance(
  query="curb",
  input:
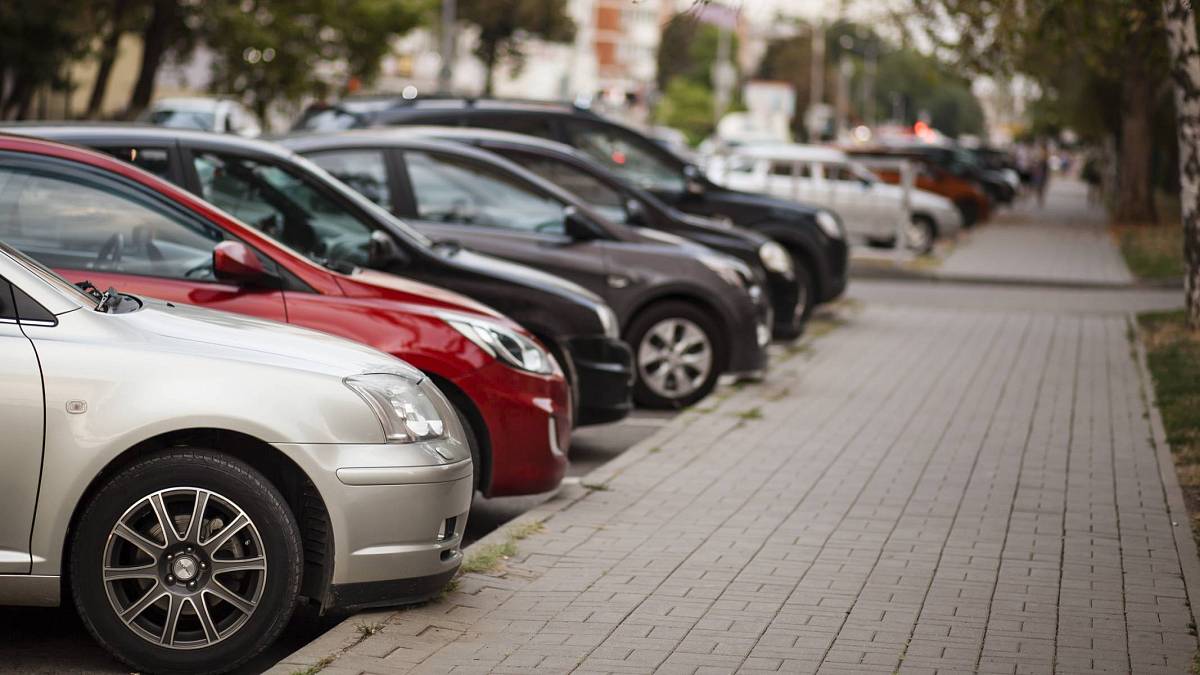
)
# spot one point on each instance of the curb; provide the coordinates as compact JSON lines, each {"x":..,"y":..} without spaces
{"x":1185,"y":542}
{"x":869,"y":271}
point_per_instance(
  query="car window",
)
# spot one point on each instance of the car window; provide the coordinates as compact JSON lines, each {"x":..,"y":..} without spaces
{"x":451,"y":190}
{"x":8,"y":306}
{"x":182,"y":119}
{"x":363,"y":170}
{"x":155,"y":160}
{"x":608,"y":201}
{"x":70,"y":220}
{"x":636,"y":159}
{"x":284,"y":206}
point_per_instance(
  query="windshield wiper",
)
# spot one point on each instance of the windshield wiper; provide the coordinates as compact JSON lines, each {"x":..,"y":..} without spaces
{"x":89,"y":288}
{"x":109,"y":300}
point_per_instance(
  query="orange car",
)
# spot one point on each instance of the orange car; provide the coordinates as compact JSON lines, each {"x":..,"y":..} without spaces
{"x":970,"y":198}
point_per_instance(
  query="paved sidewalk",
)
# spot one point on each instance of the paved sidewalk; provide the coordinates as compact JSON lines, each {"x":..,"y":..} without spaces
{"x":924,"y":489}
{"x":1066,"y":242}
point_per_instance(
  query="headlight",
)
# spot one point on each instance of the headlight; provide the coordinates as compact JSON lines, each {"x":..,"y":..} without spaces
{"x":406,"y":413}
{"x":608,"y":320}
{"x":775,"y":258}
{"x":829,"y":223}
{"x":724,"y":268}
{"x":503,"y":343}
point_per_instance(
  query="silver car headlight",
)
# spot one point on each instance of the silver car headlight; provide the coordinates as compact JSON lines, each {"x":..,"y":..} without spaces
{"x":405,"y":411}
{"x":775,"y":258}
{"x":608,"y":320}
{"x":829,"y":224}
{"x":724,"y":268}
{"x":503,"y":343}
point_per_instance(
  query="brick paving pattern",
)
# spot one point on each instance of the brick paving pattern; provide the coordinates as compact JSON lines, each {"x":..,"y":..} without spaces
{"x":1067,"y":241}
{"x":923,"y":490}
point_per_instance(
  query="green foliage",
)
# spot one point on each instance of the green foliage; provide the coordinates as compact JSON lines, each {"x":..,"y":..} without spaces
{"x":505,"y":24}
{"x":299,"y":35}
{"x":1152,"y":251}
{"x":688,"y":50}
{"x":925,"y":85}
{"x":687,"y":106}
{"x":36,"y":38}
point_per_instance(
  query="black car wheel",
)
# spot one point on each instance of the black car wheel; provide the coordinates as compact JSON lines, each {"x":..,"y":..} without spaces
{"x":186,"y":561}
{"x":969,"y":211}
{"x":920,"y":234}
{"x":677,"y":355}
{"x":806,"y":301}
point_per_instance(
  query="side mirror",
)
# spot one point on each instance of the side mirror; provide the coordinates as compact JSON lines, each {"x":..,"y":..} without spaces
{"x":383,"y":251}
{"x":635,"y":213}
{"x":692,"y":180}
{"x":575,"y":226}
{"x":234,"y":261}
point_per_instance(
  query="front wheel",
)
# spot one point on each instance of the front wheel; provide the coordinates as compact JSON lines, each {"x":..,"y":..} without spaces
{"x":677,"y":353}
{"x":186,"y":561}
{"x":806,"y":301}
{"x":920,"y":233}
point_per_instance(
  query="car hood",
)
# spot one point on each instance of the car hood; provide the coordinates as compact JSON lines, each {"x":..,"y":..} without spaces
{"x":365,"y":282}
{"x":522,"y":275}
{"x":203,"y":332}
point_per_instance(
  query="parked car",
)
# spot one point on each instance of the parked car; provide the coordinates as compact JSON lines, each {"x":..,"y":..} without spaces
{"x":813,"y":236}
{"x":186,"y":476}
{"x":626,"y":204}
{"x":203,"y":114}
{"x":294,"y":201}
{"x":94,"y":218}
{"x":967,"y":193}
{"x":813,"y":174}
{"x":688,"y":312}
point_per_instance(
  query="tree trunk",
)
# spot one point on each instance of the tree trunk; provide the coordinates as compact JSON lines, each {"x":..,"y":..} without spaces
{"x":489,"y":50}
{"x":108,"y":55}
{"x":1185,"y":73}
{"x":1135,"y":189}
{"x":155,"y":41}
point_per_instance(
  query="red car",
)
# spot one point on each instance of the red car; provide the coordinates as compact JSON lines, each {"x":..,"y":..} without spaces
{"x":95,"y":218}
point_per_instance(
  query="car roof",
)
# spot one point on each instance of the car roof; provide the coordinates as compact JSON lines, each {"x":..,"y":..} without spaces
{"x":127,"y":132}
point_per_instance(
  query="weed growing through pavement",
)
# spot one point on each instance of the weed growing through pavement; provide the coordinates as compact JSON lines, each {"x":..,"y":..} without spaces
{"x":598,"y":487}
{"x":316,"y":667}
{"x":488,"y":558}
{"x":366,"y":630}
{"x":751,"y":414}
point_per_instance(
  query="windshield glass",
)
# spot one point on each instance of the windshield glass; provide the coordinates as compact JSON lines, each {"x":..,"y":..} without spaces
{"x":329,"y":119}
{"x":182,"y":119}
{"x":50,"y":277}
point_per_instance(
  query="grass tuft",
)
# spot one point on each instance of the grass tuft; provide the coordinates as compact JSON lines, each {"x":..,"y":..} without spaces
{"x":316,"y":667}
{"x":488,"y":558}
{"x":751,"y":414}
{"x":526,"y":530}
{"x":1152,"y":252}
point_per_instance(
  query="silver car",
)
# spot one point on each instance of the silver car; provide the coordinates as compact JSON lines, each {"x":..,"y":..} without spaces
{"x":188,"y":475}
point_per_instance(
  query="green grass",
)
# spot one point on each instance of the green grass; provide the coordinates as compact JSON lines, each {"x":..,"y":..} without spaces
{"x":1152,"y":252}
{"x":488,"y":558}
{"x":751,"y":414}
{"x":1173,"y":354}
{"x":526,"y":530}
{"x":316,"y":667}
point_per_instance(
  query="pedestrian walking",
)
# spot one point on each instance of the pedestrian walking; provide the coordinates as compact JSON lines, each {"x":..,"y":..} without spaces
{"x":1041,"y":173}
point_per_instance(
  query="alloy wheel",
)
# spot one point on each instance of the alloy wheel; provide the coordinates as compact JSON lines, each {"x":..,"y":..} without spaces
{"x":675,"y":358}
{"x":184,"y":568}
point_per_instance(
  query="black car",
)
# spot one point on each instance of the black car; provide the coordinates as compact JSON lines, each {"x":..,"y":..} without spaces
{"x":690,"y":313}
{"x":627,"y":204}
{"x":813,"y":236}
{"x":575,"y":324}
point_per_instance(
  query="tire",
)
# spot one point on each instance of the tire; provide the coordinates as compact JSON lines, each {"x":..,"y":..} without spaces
{"x":649,"y":333}
{"x":267,"y":552}
{"x":921,"y":234}
{"x":969,"y":211}
{"x":473,"y":444}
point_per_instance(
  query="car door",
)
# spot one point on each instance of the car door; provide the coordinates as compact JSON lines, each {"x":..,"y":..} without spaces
{"x":486,"y":209}
{"x":853,"y":201}
{"x":95,"y":226}
{"x":22,"y":419}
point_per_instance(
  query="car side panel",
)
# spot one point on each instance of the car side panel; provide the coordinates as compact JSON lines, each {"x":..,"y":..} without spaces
{"x":22,"y":416}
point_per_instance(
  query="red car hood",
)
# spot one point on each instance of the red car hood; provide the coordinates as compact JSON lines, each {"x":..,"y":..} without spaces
{"x":372,"y":284}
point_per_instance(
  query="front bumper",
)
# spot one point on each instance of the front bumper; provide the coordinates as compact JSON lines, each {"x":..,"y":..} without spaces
{"x":784,"y":294}
{"x":603,"y":377}
{"x":528,"y":420}
{"x":750,"y":334}
{"x":396,"y":516}
{"x":835,"y":273}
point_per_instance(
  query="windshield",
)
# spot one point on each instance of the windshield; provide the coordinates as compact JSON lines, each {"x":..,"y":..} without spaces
{"x":329,"y":119}
{"x":182,"y":119}
{"x":50,"y":277}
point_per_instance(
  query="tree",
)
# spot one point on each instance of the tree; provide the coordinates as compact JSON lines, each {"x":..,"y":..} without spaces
{"x":271,"y":50}
{"x":1180,"y":21}
{"x":114,"y":19}
{"x":687,"y":106}
{"x":790,"y":60}
{"x":1107,"y":45}
{"x":505,"y":24}
{"x":36,"y":38}
{"x":165,"y":32}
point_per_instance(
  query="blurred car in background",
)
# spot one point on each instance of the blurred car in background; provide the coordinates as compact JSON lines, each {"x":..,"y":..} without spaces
{"x":688,"y":312}
{"x":97,"y":219}
{"x":222,"y":115}
{"x":812,"y":236}
{"x":964,"y":191}
{"x":185,"y":476}
{"x":828,"y":177}
{"x":627,"y":204}
{"x":294,"y":201}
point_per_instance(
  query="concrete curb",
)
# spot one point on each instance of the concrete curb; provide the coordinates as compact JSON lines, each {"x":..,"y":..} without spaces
{"x":1185,"y":542}
{"x":888,"y":272}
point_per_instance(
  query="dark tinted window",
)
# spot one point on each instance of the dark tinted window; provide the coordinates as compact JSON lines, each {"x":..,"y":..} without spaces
{"x":636,"y":159}
{"x":14,"y":304}
{"x":363,"y":170}
{"x":530,"y":125}
{"x":155,"y":160}
{"x":75,"y":221}
{"x":607,"y":200}
{"x":451,"y":190}
{"x":8,"y":309}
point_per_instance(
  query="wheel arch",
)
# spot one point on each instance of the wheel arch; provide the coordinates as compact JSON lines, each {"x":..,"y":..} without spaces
{"x":478,"y":429}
